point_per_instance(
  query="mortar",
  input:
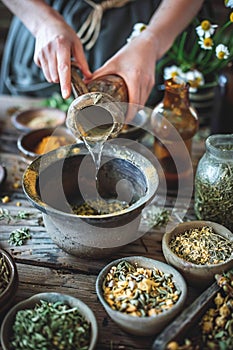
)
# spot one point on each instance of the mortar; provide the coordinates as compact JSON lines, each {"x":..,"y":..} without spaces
{"x":65,"y":177}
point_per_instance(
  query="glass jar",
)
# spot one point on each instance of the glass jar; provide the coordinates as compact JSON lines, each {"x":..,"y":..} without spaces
{"x":213,"y":195}
{"x":174,"y":122}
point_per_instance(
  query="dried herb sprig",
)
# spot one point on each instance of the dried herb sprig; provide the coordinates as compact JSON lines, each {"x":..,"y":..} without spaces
{"x":19,"y":236}
{"x":156,"y":217}
{"x":50,"y":326}
{"x":201,"y":246}
{"x":4,"y":274}
{"x":6,"y":215}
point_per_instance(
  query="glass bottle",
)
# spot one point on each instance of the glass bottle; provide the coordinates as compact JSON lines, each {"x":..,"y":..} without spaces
{"x":98,"y":111}
{"x":213,"y":195}
{"x":174,"y":122}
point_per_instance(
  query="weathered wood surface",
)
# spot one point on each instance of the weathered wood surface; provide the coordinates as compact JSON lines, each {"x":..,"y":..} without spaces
{"x":43,"y":266}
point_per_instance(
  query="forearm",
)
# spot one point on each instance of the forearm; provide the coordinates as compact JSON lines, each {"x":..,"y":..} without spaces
{"x":33,"y":13}
{"x":168,"y":21}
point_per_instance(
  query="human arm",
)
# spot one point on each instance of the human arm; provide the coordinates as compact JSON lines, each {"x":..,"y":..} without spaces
{"x":135,"y":62}
{"x":56,"y":42}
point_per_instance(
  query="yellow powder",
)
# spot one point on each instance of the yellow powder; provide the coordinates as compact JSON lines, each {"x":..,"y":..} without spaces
{"x":49,"y":143}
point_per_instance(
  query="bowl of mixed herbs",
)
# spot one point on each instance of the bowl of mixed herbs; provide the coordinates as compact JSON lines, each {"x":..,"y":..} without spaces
{"x":140,"y":294}
{"x":49,"y":321}
{"x":199,"y":250}
{"x":8,"y":280}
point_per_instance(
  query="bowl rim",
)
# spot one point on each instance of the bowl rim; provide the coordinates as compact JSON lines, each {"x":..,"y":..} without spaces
{"x":143,"y":261}
{"x":23,"y":127}
{"x":30,"y":302}
{"x":223,"y":231}
{"x":13,"y":275}
{"x":80,"y":149}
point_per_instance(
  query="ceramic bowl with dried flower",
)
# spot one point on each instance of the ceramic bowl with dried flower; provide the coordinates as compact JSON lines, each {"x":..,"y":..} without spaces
{"x":52,"y":311}
{"x":199,"y":250}
{"x":8,"y":280}
{"x":140,"y":294}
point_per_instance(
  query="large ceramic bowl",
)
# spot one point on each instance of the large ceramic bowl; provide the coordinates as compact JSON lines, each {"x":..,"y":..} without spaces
{"x":198,"y":275}
{"x":9,"y":287}
{"x":30,"y":303}
{"x":149,"y":324}
{"x":60,"y":180}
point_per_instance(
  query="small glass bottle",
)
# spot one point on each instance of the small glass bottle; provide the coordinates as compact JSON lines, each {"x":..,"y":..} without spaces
{"x":174,"y":123}
{"x":213,"y":195}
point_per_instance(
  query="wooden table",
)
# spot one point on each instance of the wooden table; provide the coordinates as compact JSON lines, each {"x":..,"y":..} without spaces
{"x":43,"y":266}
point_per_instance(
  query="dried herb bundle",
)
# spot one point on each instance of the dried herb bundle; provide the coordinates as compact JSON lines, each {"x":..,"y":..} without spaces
{"x":50,"y":326}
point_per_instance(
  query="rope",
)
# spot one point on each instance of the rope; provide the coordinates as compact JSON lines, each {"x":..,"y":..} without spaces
{"x":90,"y":29}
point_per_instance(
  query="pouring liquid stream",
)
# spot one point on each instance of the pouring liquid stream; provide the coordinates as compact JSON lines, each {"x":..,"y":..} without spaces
{"x":94,"y":125}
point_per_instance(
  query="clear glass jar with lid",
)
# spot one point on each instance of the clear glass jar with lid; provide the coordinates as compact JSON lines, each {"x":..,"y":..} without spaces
{"x":213,"y":195}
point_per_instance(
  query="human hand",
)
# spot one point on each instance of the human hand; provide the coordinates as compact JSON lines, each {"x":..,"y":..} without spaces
{"x":135,"y":63}
{"x":56,"y":44}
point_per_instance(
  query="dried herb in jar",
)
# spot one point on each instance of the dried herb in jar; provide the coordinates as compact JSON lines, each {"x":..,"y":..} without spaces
{"x":50,"y":326}
{"x":139,"y":291}
{"x":214,"y":181}
{"x":201,"y":246}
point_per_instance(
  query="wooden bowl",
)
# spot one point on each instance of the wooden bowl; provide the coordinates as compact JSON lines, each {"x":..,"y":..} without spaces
{"x":30,"y":303}
{"x":143,"y":325}
{"x":196,"y":274}
{"x":38,"y":118}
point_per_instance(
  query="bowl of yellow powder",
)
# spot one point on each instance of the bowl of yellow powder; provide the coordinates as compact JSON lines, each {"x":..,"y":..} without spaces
{"x":38,"y":142}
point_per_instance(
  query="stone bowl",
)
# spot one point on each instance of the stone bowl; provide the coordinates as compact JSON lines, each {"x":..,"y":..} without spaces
{"x":59,"y":180}
{"x":196,"y":275}
{"x":149,"y":324}
{"x":30,"y":303}
{"x":8,"y":293}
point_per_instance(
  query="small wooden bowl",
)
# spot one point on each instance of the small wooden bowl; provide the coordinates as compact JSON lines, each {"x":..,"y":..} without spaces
{"x":196,"y":274}
{"x":147,"y":325}
{"x":38,"y":118}
{"x":30,"y":303}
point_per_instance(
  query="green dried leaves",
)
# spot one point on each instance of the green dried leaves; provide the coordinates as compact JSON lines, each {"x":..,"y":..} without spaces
{"x":19,"y":236}
{"x":50,"y":326}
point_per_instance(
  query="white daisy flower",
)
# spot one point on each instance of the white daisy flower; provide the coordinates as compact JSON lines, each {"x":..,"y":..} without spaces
{"x":229,"y":3}
{"x":206,"y":29}
{"x":137,"y":29}
{"x":171,"y":72}
{"x":206,"y":43}
{"x":222,"y":52}
{"x":195,"y":79}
